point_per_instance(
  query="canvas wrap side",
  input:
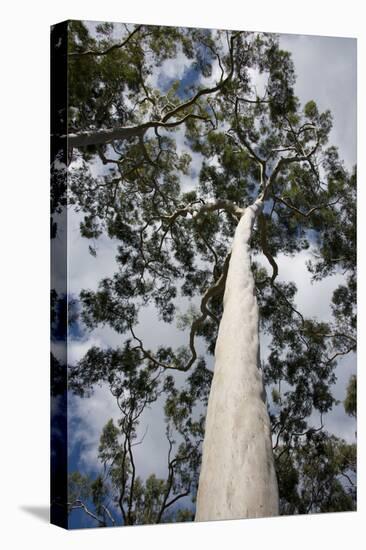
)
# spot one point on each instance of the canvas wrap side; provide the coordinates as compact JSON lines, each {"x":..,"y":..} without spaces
{"x":58,"y":235}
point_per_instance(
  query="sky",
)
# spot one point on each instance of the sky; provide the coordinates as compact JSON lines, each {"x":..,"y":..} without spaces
{"x":326,"y":72}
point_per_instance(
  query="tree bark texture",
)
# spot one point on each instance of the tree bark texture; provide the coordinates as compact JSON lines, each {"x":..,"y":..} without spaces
{"x":238,"y":478}
{"x":100,"y":137}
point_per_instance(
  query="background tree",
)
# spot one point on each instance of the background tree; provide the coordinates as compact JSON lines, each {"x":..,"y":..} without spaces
{"x":176,"y":242}
{"x":119,"y":495}
{"x":350,"y":403}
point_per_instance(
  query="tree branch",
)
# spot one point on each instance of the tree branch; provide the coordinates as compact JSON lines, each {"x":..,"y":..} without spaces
{"x":247,"y":145}
{"x":108,"y":514}
{"x":288,"y":303}
{"x":206,"y":91}
{"x":285,"y":161}
{"x":130,"y":500}
{"x":95,"y":137}
{"x":181,"y":495}
{"x":191,"y":208}
{"x":98,"y":137}
{"x":309,"y":212}
{"x":264,"y":244}
{"x":81,"y":505}
{"x":105,"y":52}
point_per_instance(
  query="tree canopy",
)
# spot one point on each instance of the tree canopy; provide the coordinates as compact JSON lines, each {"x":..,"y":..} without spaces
{"x":132,"y":138}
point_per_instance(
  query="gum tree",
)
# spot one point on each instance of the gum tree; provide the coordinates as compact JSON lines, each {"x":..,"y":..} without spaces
{"x":269,"y":184}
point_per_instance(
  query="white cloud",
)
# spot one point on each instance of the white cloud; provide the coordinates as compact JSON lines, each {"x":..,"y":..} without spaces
{"x":170,"y":69}
{"x":259,"y":82}
{"x":85,"y":270}
{"x":312,"y":299}
{"x":189,"y":181}
{"x":87,"y":417}
{"x":77,"y":348}
{"x":326,"y":72}
{"x":215,"y":76}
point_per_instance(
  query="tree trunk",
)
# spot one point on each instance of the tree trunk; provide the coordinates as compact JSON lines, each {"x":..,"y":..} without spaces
{"x":238,"y":478}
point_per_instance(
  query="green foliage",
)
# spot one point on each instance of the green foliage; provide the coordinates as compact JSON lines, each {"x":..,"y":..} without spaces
{"x":174,"y":247}
{"x":79,"y":487}
{"x":311,"y":110}
{"x":350,"y":403}
{"x":317,"y":476}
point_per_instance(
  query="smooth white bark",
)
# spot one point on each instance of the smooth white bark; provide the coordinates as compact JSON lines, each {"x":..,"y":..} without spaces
{"x":238,"y":478}
{"x":98,"y":137}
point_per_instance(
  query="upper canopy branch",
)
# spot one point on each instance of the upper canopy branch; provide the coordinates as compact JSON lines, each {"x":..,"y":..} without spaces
{"x":300,"y":154}
{"x":206,"y":91}
{"x":244,"y":140}
{"x":283,"y":162}
{"x":194,"y":210}
{"x":310,"y":211}
{"x":98,"y":137}
{"x":101,"y":136}
{"x":108,"y":50}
